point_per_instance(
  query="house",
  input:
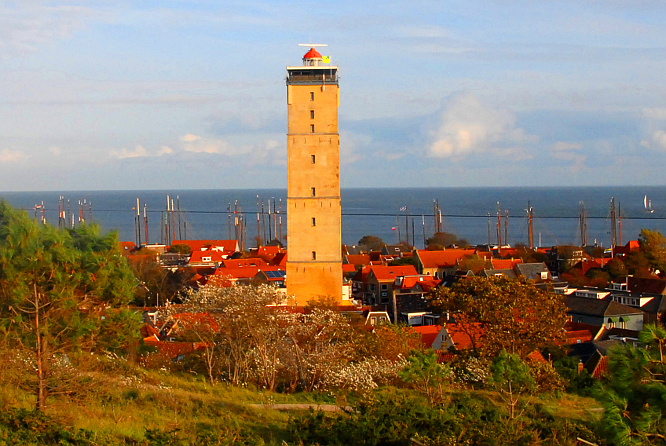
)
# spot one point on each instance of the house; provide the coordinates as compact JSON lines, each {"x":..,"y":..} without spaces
{"x":429,"y":335}
{"x":504,"y":263}
{"x":408,"y":294}
{"x":632,"y":245}
{"x":458,"y":337}
{"x":441,"y":263}
{"x":603,"y":312}
{"x":508,"y":273}
{"x":252,"y":262}
{"x":226,"y":246}
{"x":396,"y":250}
{"x":538,"y":272}
{"x":266,"y":253}
{"x":206,"y":258}
{"x":379,"y":282}
{"x":357,"y":260}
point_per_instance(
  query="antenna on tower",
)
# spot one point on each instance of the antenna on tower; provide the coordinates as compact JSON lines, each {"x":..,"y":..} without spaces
{"x":313,"y":44}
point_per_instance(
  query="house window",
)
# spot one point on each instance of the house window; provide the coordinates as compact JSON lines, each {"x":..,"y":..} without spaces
{"x":372,"y":287}
{"x":311,"y":128}
{"x":312,"y":95}
{"x":314,"y":255}
{"x":312,"y":190}
{"x":311,"y":114}
{"x":384,"y":287}
{"x":312,"y":159}
{"x":314,"y":222}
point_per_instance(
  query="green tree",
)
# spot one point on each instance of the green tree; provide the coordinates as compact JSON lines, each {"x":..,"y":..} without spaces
{"x":425,"y":374}
{"x":442,"y":239}
{"x":181,"y":248}
{"x":634,"y":396}
{"x":371,"y":243}
{"x":503,"y":314}
{"x":56,"y":288}
{"x":512,"y":378}
{"x":653,"y":245}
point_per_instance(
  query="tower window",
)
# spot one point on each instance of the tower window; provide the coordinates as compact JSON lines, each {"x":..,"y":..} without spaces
{"x":314,"y":223}
{"x":311,"y":128}
{"x":314,"y":255}
{"x":312,"y":95}
{"x":311,"y":114}
{"x":312,"y":189}
{"x":312,"y":158}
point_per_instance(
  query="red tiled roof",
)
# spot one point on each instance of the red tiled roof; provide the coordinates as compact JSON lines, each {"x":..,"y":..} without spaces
{"x":280,"y":260}
{"x":426,"y":282}
{"x":348,"y":268}
{"x":505,"y":263}
{"x":428,"y":333}
{"x":461,"y":340}
{"x":199,"y":245}
{"x":443,"y":259}
{"x":245,"y":272}
{"x":358,"y":259}
{"x":253,"y":262}
{"x":391,"y":272}
{"x":215,"y":256}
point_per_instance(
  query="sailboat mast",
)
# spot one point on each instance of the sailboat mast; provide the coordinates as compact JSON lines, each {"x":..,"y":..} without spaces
{"x":613,"y":224}
{"x":530,"y":219}
{"x":499,"y":226}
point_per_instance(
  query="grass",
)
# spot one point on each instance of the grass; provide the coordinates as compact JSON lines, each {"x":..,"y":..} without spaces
{"x":121,"y":402}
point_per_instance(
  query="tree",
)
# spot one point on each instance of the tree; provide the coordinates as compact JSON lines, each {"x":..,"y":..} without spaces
{"x":653,"y":245}
{"x":181,"y":248}
{"x":371,"y":243}
{"x":512,"y":314}
{"x":512,"y":378}
{"x":425,"y":374}
{"x":442,"y":239}
{"x":58,"y":291}
{"x":634,"y":396}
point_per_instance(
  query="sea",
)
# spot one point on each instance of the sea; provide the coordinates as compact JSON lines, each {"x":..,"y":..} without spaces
{"x":392,"y":214}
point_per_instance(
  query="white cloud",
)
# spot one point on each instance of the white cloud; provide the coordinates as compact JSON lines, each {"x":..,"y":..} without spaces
{"x":658,"y":141}
{"x":263,"y":152}
{"x":350,"y":143}
{"x":658,"y":114}
{"x":56,"y":151}
{"x":11,"y":156}
{"x":190,"y":137}
{"x":466,"y":125}
{"x":567,"y":151}
{"x":139,"y":152}
{"x":561,"y":146}
{"x":27,"y":25}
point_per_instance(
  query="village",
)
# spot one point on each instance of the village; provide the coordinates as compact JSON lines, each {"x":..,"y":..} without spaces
{"x":605,"y":305}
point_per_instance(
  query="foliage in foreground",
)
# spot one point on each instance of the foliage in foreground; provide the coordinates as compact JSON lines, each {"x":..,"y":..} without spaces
{"x":464,"y":419}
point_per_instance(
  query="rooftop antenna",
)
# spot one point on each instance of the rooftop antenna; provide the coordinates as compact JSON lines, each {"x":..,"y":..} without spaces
{"x":313,"y":44}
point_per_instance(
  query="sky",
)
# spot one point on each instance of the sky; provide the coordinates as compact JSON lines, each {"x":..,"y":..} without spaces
{"x":106,"y":95}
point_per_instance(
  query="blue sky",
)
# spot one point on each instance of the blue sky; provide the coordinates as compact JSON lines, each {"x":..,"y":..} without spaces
{"x":191,"y":94}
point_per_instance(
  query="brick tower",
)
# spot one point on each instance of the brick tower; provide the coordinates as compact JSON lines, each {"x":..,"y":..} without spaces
{"x":314,"y":265}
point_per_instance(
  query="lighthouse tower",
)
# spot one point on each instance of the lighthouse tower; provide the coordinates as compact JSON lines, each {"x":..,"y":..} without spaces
{"x":314,"y":262}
